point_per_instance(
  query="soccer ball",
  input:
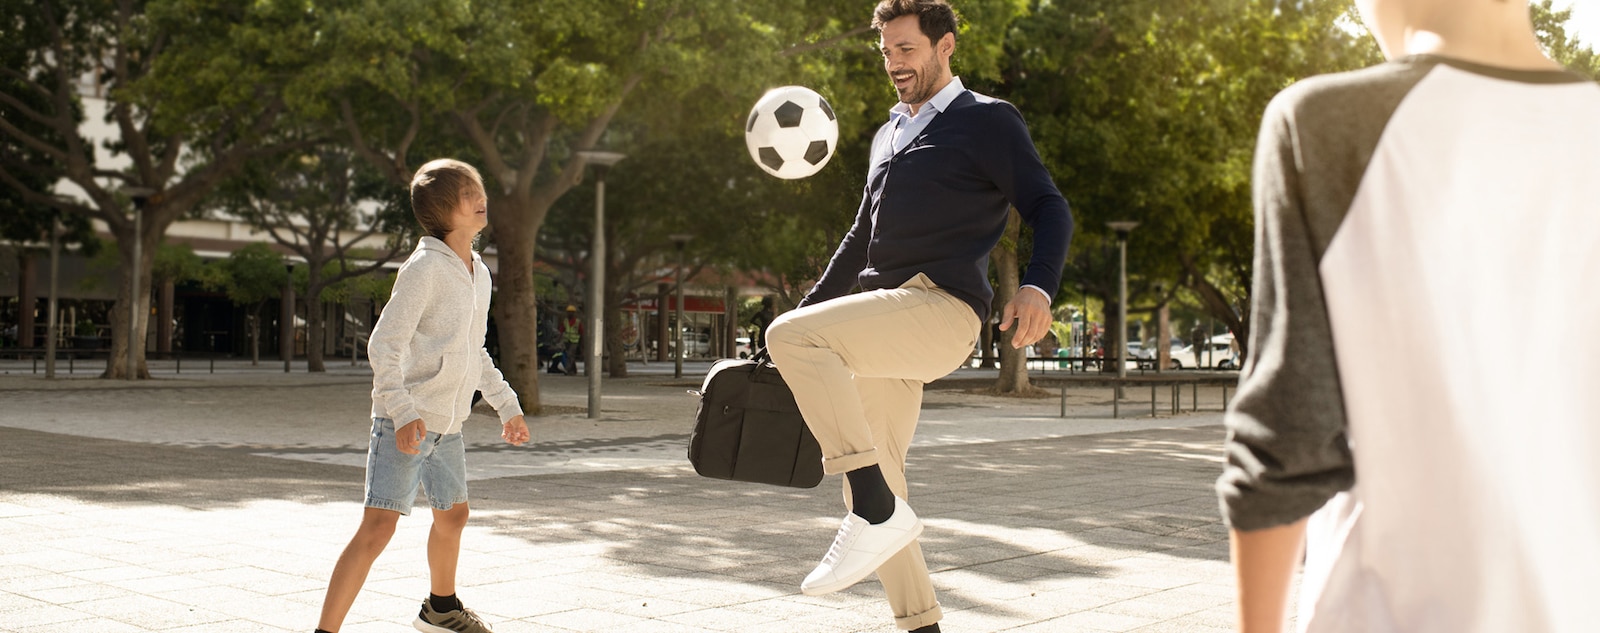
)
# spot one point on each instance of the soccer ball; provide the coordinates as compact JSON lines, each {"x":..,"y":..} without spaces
{"x":791,"y":132}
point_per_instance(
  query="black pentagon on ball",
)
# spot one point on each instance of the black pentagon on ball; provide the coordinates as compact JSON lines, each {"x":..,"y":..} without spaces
{"x":771,"y":159}
{"x":817,"y":152}
{"x":788,"y":114}
{"x":826,"y":109}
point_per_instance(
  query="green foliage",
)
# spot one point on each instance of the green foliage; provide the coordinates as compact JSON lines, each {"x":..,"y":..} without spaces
{"x":1550,"y":26}
{"x":249,"y":275}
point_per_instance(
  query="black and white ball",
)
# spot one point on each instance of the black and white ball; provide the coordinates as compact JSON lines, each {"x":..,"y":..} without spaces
{"x":792,"y":132}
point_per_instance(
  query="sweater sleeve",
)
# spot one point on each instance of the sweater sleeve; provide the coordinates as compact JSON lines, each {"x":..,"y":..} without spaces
{"x":1014,"y":166}
{"x":848,"y":261}
{"x":1286,"y":447}
{"x":390,"y":342}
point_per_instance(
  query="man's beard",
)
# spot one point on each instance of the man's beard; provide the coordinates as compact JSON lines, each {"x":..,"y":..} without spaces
{"x":922,"y":88}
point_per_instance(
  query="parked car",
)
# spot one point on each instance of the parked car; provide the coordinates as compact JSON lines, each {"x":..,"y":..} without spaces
{"x":1218,"y":353}
{"x":741,"y":347}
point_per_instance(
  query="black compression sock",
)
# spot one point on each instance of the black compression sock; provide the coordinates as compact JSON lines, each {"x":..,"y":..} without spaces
{"x":443,"y":604}
{"x":931,"y":628}
{"x":871,"y":498}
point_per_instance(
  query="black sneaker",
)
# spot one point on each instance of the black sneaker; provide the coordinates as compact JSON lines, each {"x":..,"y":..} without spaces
{"x":462,"y":620}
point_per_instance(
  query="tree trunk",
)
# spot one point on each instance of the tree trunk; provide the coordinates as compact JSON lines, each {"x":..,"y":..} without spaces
{"x":27,"y":299}
{"x":663,"y":295}
{"x":1216,"y":305}
{"x":164,"y":309}
{"x":1163,"y":339}
{"x":617,"y":363}
{"x":1110,"y":338}
{"x":1013,"y":361}
{"x":255,"y":335}
{"x":516,"y":308}
{"x":123,"y":341}
{"x":314,"y":318}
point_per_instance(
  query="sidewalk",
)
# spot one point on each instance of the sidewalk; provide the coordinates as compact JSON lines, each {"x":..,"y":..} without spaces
{"x":218,"y":502}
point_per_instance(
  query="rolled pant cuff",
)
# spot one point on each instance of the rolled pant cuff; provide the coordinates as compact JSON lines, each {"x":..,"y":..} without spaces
{"x":847,"y":463}
{"x":913,"y":622}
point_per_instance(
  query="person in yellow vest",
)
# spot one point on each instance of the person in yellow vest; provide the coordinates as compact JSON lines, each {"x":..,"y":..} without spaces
{"x":571,"y":329}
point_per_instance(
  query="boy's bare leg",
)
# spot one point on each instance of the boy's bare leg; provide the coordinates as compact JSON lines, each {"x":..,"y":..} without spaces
{"x":444,"y":548}
{"x":350,"y":573}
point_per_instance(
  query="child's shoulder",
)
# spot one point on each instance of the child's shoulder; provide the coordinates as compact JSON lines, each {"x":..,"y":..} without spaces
{"x":1364,"y":92}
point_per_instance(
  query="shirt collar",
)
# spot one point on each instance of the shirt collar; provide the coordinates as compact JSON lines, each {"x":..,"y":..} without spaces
{"x":939,"y":102}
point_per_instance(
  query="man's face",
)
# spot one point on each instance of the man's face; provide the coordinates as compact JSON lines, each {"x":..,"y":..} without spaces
{"x":917,"y":67}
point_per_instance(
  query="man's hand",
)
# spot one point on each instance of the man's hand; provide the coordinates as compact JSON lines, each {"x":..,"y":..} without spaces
{"x":514,"y":431}
{"x":1031,"y":311}
{"x":407,"y":438}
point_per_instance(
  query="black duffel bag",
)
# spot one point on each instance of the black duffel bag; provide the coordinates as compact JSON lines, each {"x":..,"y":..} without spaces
{"x":748,"y":428}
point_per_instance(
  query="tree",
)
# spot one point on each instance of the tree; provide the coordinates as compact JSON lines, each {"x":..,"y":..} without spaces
{"x":249,"y":277}
{"x":167,"y":76}
{"x":1147,"y":110}
{"x":1551,"y":27}
{"x":326,"y":207}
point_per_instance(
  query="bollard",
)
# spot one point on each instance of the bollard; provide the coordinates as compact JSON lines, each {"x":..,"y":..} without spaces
{"x":178,"y":358}
{"x":1195,"y":399}
{"x":1116,"y":401}
{"x":1224,"y":397}
{"x":213,"y":364}
{"x":1152,"y":400}
{"x":1063,"y":398}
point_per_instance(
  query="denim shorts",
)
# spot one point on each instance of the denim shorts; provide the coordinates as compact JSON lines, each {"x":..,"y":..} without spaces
{"x":439,"y":467}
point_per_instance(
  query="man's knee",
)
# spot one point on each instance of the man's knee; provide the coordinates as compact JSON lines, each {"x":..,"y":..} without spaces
{"x":784,"y":332}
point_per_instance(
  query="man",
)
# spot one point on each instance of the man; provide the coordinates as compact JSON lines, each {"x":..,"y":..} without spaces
{"x":571,"y":330}
{"x":945,"y":171}
{"x":1400,"y":209}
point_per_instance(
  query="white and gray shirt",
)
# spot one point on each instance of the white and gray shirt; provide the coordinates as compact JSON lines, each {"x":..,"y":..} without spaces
{"x":1423,"y":344}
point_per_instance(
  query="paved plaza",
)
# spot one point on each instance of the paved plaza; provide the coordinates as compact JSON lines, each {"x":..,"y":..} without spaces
{"x":219,"y":501}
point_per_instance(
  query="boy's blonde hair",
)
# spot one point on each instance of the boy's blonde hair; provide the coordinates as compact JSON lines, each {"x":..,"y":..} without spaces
{"x":437,"y":189}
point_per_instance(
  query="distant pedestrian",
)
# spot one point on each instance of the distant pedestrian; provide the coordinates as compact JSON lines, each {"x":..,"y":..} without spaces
{"x":571,"y":330}
{"x":760,"y":321}
{"x":1404,"y":213}
{"x":428,"y":356}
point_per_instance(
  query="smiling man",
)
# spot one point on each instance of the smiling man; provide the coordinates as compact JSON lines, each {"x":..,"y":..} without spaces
{"x":945,"y":171}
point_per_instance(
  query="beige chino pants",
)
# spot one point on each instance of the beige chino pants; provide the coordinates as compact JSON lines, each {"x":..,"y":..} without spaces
{"x":856,"y":365}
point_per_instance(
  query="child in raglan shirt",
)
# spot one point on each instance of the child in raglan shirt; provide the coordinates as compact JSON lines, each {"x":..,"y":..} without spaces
{"x":428,"y":358}
{"x":1404,"y":212}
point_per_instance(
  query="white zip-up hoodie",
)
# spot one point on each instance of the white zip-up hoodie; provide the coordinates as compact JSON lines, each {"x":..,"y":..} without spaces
{"x":427,"y":349}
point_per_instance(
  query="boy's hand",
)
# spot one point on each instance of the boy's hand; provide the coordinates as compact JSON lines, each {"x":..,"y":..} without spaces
{"x":514,"y":431}
{"x":409,"y":437}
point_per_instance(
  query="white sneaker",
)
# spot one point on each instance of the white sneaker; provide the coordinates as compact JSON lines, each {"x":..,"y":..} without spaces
{"x":860,"y":548}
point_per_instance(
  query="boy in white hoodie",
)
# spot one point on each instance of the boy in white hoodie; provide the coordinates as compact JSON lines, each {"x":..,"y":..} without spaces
{"x":427,"y":359}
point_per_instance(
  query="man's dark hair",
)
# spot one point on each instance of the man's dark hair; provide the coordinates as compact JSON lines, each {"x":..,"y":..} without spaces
{"x":935,"y":17}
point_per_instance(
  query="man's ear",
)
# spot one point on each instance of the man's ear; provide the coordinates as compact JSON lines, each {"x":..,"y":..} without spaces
{"x":947,"y":44}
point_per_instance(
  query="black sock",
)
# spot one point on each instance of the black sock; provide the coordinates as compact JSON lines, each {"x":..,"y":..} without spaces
{"x":442,"y":604}
{"x":323,"y":631}
{"x":871,"y":499}
{"x":931,"y":628}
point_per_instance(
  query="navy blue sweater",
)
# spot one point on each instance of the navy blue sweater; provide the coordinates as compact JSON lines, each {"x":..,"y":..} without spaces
{"x":940,"y":205}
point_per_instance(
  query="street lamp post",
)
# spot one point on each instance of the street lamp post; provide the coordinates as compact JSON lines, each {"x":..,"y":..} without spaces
{"x":602,"y":162}
{"x":680,"y":239}
{"x":1122,"y":228}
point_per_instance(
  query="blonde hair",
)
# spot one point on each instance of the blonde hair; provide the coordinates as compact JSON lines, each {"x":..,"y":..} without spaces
{"x":438,"y":189}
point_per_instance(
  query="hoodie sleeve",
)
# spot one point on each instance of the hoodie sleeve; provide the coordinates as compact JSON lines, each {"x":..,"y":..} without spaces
{"x":390,"y":342}
{"x":496,"y":391}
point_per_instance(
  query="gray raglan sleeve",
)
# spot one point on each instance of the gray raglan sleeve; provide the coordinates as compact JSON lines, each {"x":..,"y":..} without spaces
{"x":1287,"y":450}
